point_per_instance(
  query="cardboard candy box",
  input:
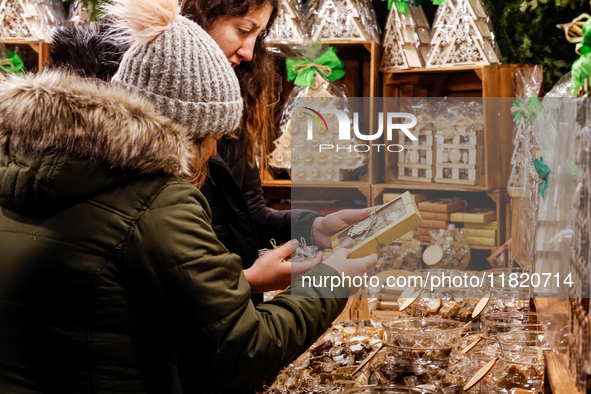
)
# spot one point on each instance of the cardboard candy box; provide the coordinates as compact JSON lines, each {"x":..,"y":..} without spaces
{"x":475,"y":215}
{"x":442,"y":206}
{"x":381,"y":227}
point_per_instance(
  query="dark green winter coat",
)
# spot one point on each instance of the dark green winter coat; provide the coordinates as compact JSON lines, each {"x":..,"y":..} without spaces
{"x":111,"y":278}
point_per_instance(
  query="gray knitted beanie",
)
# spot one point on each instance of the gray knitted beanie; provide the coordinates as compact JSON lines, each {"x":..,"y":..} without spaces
{"x":178,"y":66}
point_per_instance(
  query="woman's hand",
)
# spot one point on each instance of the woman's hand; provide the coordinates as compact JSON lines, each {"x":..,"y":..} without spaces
{"x":324,"y":228}
{"x":271,"y":272}
{"x":350,"y":268}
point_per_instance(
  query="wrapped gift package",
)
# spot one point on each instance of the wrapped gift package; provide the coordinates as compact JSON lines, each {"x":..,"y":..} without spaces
{"x":417,"y":198}
{"x":381,"y":227}
{"x":475,"y":215}
{"x":486,"y":226}
{"x":442,"y":205}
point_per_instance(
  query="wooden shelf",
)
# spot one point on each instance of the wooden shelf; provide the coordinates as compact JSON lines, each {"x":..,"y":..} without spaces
{"x":277,"y":183}
{"x":41,"y":47}
{"x":558,"y":374}
{"x":482,"y":247}
{"x":475,"y":247}
{"x":429,"y":186}
{"x":477,"y":69}
{"x":338,"y":185}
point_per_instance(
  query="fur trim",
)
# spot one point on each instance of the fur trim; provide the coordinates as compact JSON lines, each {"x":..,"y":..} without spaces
{"x":87,"y":118}
{"x":142,"y":21}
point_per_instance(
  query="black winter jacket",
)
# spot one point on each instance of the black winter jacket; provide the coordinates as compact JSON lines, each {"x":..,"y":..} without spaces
{"x":241,"y":220}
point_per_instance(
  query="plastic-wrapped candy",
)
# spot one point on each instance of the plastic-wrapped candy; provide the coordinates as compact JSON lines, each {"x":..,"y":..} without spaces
{"x":405,"y":256}
{"x":330,"y":363}
{"x":316,"y":70}
{"x":423,"y":345}
{"x":449,"y":249}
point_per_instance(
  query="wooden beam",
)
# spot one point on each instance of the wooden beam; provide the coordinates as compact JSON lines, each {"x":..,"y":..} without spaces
{"x":558,"y":375}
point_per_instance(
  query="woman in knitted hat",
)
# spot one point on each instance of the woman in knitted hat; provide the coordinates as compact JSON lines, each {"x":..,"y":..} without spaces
{"x":111,"y":277}
{"x":234,"y":188}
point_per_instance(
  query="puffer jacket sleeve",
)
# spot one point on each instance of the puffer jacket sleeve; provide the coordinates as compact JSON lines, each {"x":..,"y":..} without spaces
{"x":271,"y":223}
{"x":174,"y":253}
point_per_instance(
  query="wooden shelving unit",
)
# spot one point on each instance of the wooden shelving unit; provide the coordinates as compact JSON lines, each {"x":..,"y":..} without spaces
{"x":361,"y":59}
{"x":496,"y":81}
{"x":40,"y":47}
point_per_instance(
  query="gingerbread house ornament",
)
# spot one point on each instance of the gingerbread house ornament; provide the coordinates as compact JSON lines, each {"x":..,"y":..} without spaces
{"x":407,"y":39}
{"x":465,"y":40}
{"x":288,"y":28}
{"x":339,"y":20}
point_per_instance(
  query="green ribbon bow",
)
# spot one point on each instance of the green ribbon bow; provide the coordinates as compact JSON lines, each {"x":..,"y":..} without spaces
{"x":12,"y":64}
{"x":543,"y":172}
{"x":402,"y":5}
{"x":328,"y":65}
{"x":527,"y":110}
{"x":582,"y":66}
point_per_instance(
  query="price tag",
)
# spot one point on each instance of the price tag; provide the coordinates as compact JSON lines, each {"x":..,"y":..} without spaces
{"x":433,"y":255}
{"x":480,"y":374}
{"x":481,"y":305}
{"x":406,"y":302}
{"x":473,"y":344}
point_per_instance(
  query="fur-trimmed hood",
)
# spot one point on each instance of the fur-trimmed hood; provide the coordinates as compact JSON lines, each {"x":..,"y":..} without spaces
{"x":87,"y":118}
{"x":57,"y":117}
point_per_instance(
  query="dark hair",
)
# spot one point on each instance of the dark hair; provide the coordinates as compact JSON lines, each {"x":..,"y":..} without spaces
{"x":89,"y":51}
{"x":258,"y":78}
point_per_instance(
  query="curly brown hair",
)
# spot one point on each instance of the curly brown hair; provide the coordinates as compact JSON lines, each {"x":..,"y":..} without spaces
{"x":258,"y":78}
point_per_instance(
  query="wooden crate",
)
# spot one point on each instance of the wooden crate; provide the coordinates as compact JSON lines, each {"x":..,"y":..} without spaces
{"x":361,"y":80}
{"x":416,"y":164}
{"x":482,"y":81}
{"x":469,"y":169}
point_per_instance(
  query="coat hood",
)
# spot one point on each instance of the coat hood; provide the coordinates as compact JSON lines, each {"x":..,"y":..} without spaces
{"x":62,"y":136}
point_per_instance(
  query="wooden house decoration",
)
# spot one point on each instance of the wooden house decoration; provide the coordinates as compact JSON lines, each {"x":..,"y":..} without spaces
{"x":288,"y":27}
{"x":415,"y":162}
{"x":407,"y":39}
{"x":467,"y":41}
{"x":339,"y":20}
{"x":459,"y":150}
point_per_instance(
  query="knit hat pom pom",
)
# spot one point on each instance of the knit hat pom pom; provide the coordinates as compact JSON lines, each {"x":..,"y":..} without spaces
{"x":142,"y":21}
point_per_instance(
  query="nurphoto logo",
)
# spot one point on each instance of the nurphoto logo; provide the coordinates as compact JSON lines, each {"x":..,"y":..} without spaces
{"x":345,"y":129}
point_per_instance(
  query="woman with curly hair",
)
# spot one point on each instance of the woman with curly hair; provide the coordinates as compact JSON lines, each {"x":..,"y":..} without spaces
{"x":241,"y":219}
